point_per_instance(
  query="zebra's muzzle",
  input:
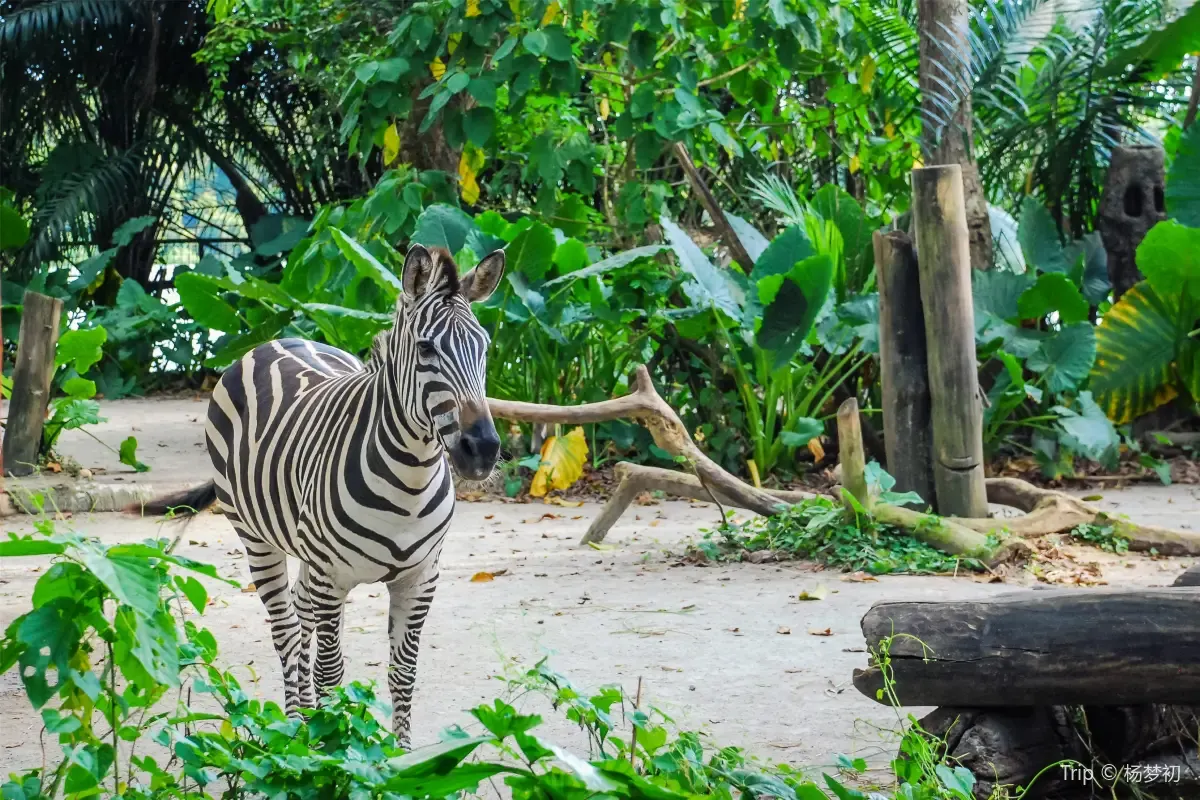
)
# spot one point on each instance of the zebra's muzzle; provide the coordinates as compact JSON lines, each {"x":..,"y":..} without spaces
{"x":475,"y":453}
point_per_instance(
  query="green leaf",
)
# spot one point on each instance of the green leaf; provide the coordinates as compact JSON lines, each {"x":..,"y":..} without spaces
{"x":754,"y":242}
{"x":14,"y":230}
{"x":836,"y":205}
{"x":128,"y":454}
{"x":784,"y":252}
{"x":536,"y":42}
{"x":570,"y":256}
{"x":532,"y":252}
{"x":441,"y":225}
{"x":50,"y":636}
{"x":131,"y":580}
{"x":1065,"y":357}
{"x":90,"y":269}
{"x":1088,"y":431}
{"x":478,"y":124}
{"x":194,"y":591}
{"x":1162,"y":50}
{"x":436,"y":759}
{"x":80,"y":388}
{"x":80,"y":348}
{"x":997,"y":293}
{"x":1053,"y":292}
{"x":125,"y":233}
{"x":367,"y":265}
{"x":802,"y":431}
{"x":28,"y":546}
{"x":558,"y":44}
{"x":792,"y":307}
{"x":606,"y":265}
{"x":1169,"y":257}
{"x":1135,"y":346}
{"x":1096,"y":286}
{"x":201,"y":296}
{"x":1039,"y":239}
{"x":1183,"y":182}
{"x":710,"y":287}
{"x":483,"y":90}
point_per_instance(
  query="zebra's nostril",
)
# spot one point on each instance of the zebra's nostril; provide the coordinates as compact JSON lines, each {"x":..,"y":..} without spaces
{"x":468,"y":446}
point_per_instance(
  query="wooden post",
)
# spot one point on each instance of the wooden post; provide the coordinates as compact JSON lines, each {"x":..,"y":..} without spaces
{"x":851,"y":454}
{"x":32,"y":374}
{"x":944,"y":265}
{"x":907,"y":434}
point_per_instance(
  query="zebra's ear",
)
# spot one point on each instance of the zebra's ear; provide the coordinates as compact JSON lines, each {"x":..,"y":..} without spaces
{"x":418,"y":272}
{"x":480,"y":282}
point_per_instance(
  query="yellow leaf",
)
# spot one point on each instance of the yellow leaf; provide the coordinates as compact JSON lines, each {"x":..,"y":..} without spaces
{"x":562,"y":501}
{"x":391,"y":145}
{"x":598,"y":546}
{"x":604,"y":108}
{"x":855,"y":164}
{"x":553,"y":12}
{"x":484,"y":577}
{"x":866,"y":74}
{"x":606,"y":59}
{"x":469,"y":164}
{"x":226,"y":731}
{"x":515,"y":7}
{"x":472,"y":8}
{"x":889,"y":130}
{"x":437,"y":69}
{"x":562,"y":462}
{"x":739,"y":10}
{"x":814,"y":447}
{"x":452,"y":42}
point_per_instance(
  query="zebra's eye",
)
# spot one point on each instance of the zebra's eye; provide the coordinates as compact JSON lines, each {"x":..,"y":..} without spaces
{"x":426,"y":349}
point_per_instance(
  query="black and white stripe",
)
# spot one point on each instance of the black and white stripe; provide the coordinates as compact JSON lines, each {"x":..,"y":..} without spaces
{"x":344,"y":467}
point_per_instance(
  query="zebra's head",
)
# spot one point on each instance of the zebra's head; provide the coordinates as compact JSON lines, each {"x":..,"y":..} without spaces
{"x":447,"y":347}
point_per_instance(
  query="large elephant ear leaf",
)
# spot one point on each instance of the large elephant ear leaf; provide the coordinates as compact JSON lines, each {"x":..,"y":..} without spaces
{"x":1135,"y":347}
{"x":1183,"y":182}
{"x":1040,"y":243}
{"x":1169,"y":257}
{"x":792,"y":302}
{"x":710,"y":286}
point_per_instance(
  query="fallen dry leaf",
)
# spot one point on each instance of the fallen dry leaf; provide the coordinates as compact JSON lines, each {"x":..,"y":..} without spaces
{"x":784,"y":630}
{"x":535,"y":520}
{"x":489,"y":516}
{"x":562,"y":462}
{"x":484,"y":577}
{"x":814,"y":447}
{"x":54,"y":466}
{"x":820,"y":632}
{"x":249,"y":587}
{"x":564,"y":502}
{"x":816,"y":594}
{"x":859,"y":577}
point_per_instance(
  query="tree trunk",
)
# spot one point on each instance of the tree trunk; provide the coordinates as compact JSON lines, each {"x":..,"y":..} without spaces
{"x":32,"y":375}
{"x":946,"y":85}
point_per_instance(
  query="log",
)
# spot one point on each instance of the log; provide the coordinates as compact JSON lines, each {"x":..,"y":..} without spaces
{"x":1131,"y":204}
{"x":907,"y":431}
{"x":1037,"y":648}
{"x":945,"y":268}
{"x":32,"y":374}
{"x":851,"y":454}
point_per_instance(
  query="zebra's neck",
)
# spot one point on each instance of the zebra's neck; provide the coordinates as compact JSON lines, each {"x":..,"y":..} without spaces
{"x":399,"y":439}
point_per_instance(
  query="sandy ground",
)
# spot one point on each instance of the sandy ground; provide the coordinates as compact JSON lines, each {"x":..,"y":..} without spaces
{"x":725,"y":649}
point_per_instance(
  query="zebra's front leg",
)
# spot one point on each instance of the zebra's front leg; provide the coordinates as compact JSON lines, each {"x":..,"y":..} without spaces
{"x":302,"y":599}
{"x":268,"y":570}
{"x":410,"y":601}
{"x":328,"y":602}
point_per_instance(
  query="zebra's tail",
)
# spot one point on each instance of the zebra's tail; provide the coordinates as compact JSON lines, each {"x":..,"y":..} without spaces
{"x":181,"y":505}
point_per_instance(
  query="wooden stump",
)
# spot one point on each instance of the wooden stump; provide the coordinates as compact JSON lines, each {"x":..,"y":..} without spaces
{"x":956,"y":411}
{"x":1130,"y":205}
{"x":32,"y":375}
{"x":907,"y":431}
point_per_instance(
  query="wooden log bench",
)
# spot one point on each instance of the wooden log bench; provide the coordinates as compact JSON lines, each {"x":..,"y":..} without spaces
{"x":1109,"y":678}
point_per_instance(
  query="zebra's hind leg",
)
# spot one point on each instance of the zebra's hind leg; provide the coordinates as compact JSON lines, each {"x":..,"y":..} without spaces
{"x":328,"y":601}
{"x":302,"y":599}
{"x":410,"y":602}
{"x":268,"y":570}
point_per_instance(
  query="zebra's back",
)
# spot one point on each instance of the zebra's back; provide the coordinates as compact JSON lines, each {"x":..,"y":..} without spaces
{"x":293,"y":434}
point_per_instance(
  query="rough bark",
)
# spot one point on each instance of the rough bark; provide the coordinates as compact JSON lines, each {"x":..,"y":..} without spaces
{"x":947,"y":136}
{"x":907,"y":430}
{"x":956,"y":412}
{"x":32,"y":374}
{"x":704,"y":194}
{"x":1037,"y":648}
{"x":1130,"y":205}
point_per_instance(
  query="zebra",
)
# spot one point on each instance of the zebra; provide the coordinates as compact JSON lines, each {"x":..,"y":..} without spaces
{"x":346,"y":467}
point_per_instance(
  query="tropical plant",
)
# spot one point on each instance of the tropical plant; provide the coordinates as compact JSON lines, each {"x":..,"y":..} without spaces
{"x":1147,"y":342}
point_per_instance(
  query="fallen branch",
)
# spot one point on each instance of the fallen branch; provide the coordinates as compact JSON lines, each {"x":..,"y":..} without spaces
{"x":1048,"y":511}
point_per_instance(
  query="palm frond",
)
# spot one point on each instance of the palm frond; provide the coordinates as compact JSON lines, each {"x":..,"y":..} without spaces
{"x":781,"y":198}
{"x":53,"y":17}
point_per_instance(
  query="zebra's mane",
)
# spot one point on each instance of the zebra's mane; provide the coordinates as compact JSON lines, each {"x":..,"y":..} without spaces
{"x":379,"y":345}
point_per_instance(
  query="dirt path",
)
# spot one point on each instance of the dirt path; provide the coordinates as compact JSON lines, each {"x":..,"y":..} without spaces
{"x":706,"y":641}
